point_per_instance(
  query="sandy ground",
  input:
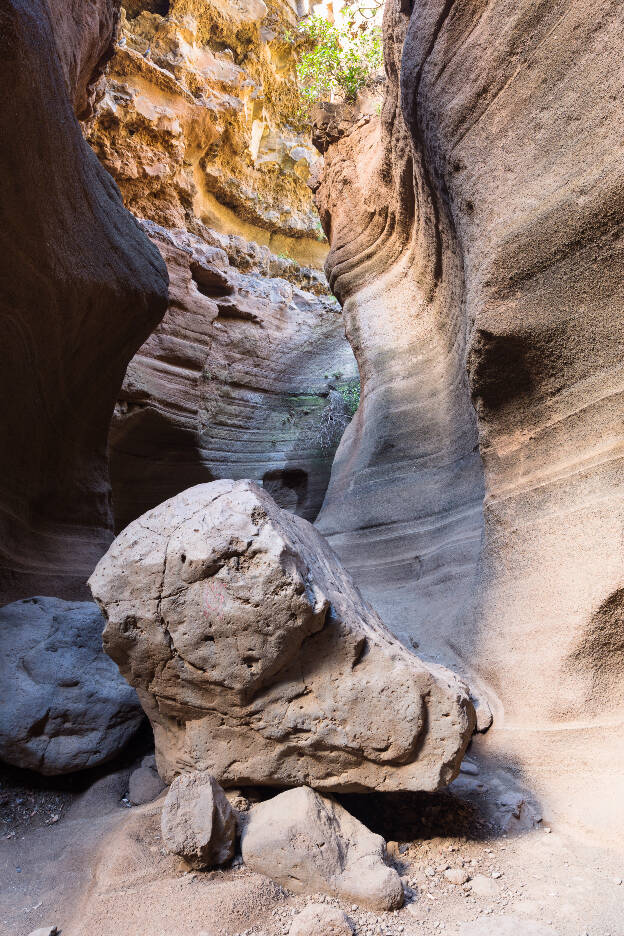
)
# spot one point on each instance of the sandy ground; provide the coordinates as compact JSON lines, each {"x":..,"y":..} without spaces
{"x":77,"y":857}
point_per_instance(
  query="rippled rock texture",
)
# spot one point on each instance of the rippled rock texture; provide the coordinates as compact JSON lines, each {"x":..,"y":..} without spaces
{"x":199,"y":121}
{"x":81,"y":288}
{"x":249,"y":375}
{"x":256,"y":658}
{"x":489,"y":265}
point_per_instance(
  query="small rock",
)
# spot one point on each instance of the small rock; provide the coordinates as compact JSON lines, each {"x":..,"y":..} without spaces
{"x":310,"y":844}
{"x":483,"y":886}
{"x":456,"y":876}
{"x":467,"y":767}
{"x":45,"y":931}
{"x":320,"y":920}
{"x":197,"y":822}
{"x":144,"y":785}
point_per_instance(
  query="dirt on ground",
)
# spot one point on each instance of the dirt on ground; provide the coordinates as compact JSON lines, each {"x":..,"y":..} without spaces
{"x":76,"y":855}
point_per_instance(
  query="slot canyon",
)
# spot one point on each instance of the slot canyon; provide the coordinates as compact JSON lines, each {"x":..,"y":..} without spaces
{"x":311,"y":471}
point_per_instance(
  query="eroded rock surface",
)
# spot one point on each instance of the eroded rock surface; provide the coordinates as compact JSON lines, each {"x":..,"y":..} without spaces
{"x":310,"y":844}
{"x":246,"y":377}
{"x":198,"y":823}
{"x":256,"y":658}
{"x":490,"y":211}
{"x":65,"y":705}
{"x":199,"y":122}
{"x":81,"y":287}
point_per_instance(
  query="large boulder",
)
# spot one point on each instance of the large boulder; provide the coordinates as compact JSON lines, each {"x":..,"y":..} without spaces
{"x":256,"y":658}
{"x":197,"y":821}
{"x":65,"y":706}
{"x":310,"y":844}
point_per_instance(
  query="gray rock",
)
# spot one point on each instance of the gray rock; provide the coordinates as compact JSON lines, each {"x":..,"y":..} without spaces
{"x":65,"y":705}
{"x":197,"y":822}
{"x":309,"y":844}
{"x":257,"y":660}
{"x":145,"y":783}
{"x":321,"y":920}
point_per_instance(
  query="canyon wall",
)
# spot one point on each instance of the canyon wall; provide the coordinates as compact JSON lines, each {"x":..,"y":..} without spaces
{"x":249,"y":375}
{"x":81,"y":288}
{"x":489,"y":202}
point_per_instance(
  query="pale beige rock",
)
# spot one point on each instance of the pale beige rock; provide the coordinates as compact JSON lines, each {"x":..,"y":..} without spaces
{"x":482,"y":886}
{"x":477,"y":495}
{"x":310,"y":844}
{"x":456,"y":875}
{"x":197,"y":822}
{"x":256,"y":658}
{"x":321,"y":920}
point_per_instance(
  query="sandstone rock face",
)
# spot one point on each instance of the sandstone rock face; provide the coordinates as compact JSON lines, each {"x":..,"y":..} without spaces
{"x":245,"y":377}
{"x":198,"y":823}
{"x":500,"y":156}
{"x":200,"y":121}
{"x":256,"y":658}
{"x":65,"y":705}
{"x":81,"y":288}
{"x":310,"y":844}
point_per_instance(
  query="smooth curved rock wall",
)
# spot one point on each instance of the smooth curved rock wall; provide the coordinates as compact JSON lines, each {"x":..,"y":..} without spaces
{"x":514,"y":117}
{"x":81,"y":288}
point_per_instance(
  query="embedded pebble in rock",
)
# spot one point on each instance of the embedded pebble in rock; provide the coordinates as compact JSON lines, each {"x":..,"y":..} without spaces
{"x":309,"y":843}
{"x":456,"y":875}
{"x":145,"y":783}
{"x":321,"y":920}
{"x":198,"y":823}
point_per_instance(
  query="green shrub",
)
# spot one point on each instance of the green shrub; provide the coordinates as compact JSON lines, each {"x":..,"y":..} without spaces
{"x":337,"y":61}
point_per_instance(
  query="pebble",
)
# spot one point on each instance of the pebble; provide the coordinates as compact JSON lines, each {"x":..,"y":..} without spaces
{"x":45,"y":931}
{"x":456,"y":876}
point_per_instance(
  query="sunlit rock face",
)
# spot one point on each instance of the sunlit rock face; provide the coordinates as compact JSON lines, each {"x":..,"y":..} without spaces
{"x":508,"y":185}
{"x":200,"y":121}
{"x":82,"y":287}
{"x":249,"y":375}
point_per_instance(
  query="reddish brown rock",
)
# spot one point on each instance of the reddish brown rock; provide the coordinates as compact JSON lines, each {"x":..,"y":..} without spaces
{"x":81,"y":288}
{"x":247,"y":376}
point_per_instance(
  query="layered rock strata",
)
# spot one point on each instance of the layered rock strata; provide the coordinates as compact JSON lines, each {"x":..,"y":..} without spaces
{"x":247,"y":376}
{"x":257,"y":660}
{"x":500,"y":155}
{"x":81,"y":288}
